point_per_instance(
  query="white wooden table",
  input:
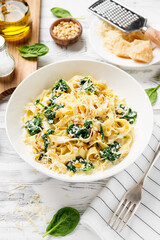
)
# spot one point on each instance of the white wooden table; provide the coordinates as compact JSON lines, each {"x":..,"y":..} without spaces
{"x":28,"y":198}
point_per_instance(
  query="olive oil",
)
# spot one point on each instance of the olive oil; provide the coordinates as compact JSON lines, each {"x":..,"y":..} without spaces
{"x":15,"y":21}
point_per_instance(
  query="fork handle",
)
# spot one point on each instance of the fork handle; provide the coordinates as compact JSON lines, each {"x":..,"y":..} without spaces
{"x":153,"y":35}
{"x":155,"y":158}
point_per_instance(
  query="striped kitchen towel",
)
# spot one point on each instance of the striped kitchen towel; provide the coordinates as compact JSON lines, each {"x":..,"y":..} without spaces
{"x":145,"y":224}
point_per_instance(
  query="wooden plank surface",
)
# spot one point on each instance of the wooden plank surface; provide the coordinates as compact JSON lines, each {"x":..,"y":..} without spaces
{"x":23,"y":67}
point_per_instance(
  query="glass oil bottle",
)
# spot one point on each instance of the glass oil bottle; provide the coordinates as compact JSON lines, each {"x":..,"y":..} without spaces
{"x":15,"y":20}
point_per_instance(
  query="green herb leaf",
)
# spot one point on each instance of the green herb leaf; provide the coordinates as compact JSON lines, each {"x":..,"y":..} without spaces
{"x":36,"y":102}
{"x":77,"y":132}
{"x":62,"y":86}
{"x":127,"y":113}
{"x":63,"y":222}
{"x":34,"y":126}
{"x":50,"y":115}
{"x":41,"y":155}
{"x":84,"y":166}
{"x":60,"y":12}
{"x":101,"y":132}
{"x":34,"y":50}
{"x":46,"y":140}
{"x":87,"y":85}
{"x":110,"y":153}
{"x":88,"y":123}
{"x":152,"y":94}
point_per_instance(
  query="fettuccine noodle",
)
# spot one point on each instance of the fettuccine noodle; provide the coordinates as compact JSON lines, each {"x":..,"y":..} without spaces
{"x":78,"y":127}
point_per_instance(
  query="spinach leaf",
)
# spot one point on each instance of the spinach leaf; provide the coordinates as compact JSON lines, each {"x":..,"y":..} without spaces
{"x":127,"y":113}
{"x":41,"y":154}
{"x":152,"y":94}
{"x":34,"y":50}
{"x":60,"y":12}
{"x":86,"y":85}
{"x":53,"y":99}
{"x":72,"y":129}
{"x":62,"y":86}
{"x":77,"y":132}
{"x":101,"y":132}
{"x":63,"y":222}
{"x":88,"y":124}
{"x":46,"y":140}
{"x":59,"y":106}
{"x":79,"y":164}
{"x":110,"y":153}
{"x":50,"y":115}
{"x":34,"y":126}
{"x":36,"y":102}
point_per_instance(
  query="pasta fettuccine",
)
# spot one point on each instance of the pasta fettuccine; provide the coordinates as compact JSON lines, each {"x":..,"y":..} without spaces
{"x":78,"y":127}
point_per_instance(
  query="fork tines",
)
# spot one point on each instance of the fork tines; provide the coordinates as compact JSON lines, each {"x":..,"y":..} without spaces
{"x":123,"y":213}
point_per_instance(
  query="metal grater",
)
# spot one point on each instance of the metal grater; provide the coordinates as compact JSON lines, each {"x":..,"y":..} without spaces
{"x":119,"y":16}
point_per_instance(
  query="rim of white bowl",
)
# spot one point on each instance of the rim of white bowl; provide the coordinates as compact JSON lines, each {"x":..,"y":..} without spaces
{"x":89,"y":178}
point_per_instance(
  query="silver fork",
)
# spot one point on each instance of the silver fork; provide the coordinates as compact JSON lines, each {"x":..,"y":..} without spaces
{"x":131,"y":200}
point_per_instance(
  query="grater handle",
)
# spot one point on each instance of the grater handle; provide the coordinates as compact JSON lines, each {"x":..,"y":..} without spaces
{"x":153,"y":35}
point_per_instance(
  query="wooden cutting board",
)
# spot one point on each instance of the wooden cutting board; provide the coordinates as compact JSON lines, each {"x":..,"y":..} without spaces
{"x":23,"y":67}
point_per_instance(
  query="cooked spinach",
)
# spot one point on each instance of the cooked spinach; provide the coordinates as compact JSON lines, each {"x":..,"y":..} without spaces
{"x":50,"y":115}
{"x":60,"y":12}
{"x":79,"y":164}
{"x":62,"y":86}
{"x":78,"y":132}
{"x":72,"y":129}
{"x":33,"y":50}
{"x":41,"y":154}
{"x":86,"y":85}
{"x":110,"y":153}
{"x":88,"y":124}
{"x":127,"y":113}
{"x":53,"y":99}
{"x":102,"y":133}
{"x":34,"y":126}
{"x":46,"y":140}
{"x":59,"y":106}
{"x":63,"y":222}
{"x":36,"y":102}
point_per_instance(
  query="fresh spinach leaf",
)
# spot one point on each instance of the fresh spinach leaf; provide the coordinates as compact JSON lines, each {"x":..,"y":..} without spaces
{"x":127,"y":113}
{"x":152,"y":94}
{"x":77,"y":132}
{"x":86,"y":85}
{"x":63,"y":222}
{"x":102,"y":133}
{"x":46,"y":140}
{"x":62,"y":86}
{"x":34,"y":126}
{"x":79,"y":164}
{"x":110,"y":153}
{"x":88,"y":124}
{"x":34,"y":50}
{"x":60,"y":12}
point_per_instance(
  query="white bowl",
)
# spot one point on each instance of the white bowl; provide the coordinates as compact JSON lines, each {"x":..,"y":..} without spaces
{"x":121,"y":83}
{"x":97,"y":44}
